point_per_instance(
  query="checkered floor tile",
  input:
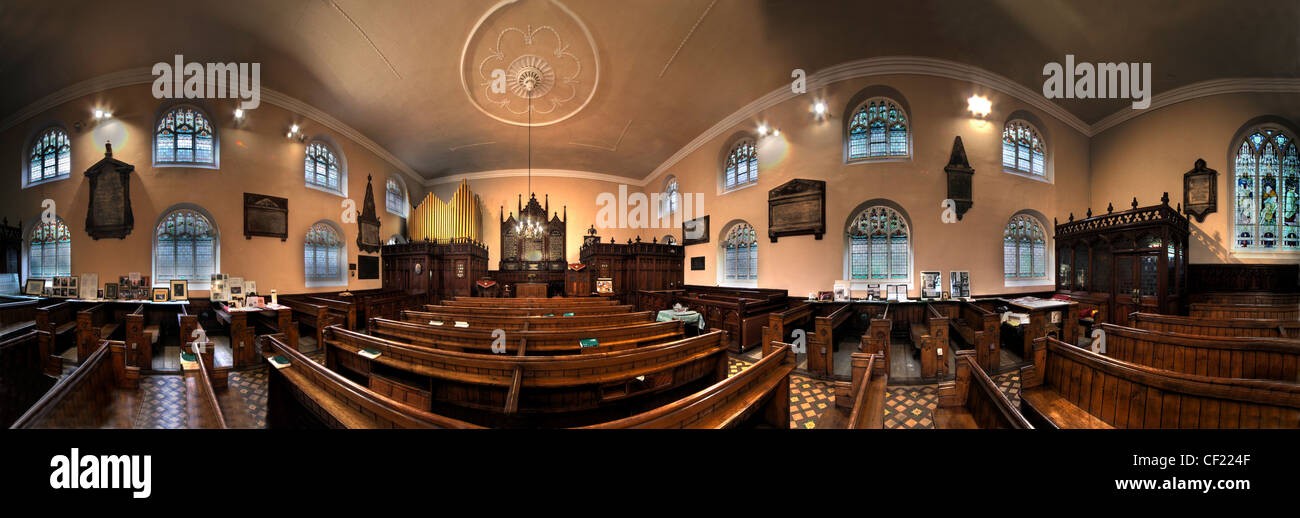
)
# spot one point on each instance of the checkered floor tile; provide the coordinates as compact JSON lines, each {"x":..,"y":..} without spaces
{"x":250,"y":384}
{"x":911,"y":407}
{"x":808,"y":397}
{"x":1009,"y":384}
{"x":162,"y":403}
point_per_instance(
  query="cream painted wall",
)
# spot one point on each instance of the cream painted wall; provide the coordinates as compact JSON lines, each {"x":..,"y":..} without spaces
{"x":811,"y":149}
{"x":255,"y":156}
{"x":1147,"y":156}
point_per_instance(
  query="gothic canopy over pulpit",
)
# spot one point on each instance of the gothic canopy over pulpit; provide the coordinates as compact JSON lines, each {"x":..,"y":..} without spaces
{"x":533,"y":239}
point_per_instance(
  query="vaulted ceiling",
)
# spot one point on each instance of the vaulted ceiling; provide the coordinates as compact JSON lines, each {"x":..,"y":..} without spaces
{"x":641,"y":78}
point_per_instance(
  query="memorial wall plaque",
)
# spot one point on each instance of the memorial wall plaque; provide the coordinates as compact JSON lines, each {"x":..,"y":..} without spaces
{"x":695,"y":231}
{"x":1200,"y":191}
{"x":266,"y":216}
{"x":797,"y":207}
{"x":368,"y":222}
{"x":109,"y":214}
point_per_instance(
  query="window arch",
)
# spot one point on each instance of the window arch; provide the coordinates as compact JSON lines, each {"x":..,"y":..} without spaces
{"x":1024,"y":248}
{"x":323,"y":168}
{"x":395,"y":196}
{"x":880,"y":245}
{"x":671,"y":202}
{"x":49,"y":157}
{"x":1266,"y":191}
{"x":49,"y":250}
{"x":184,"y":137}
{"x":670,"y":239}
{"x":323,"y":252}
{"x":742,"y":165}
{"x":878,"y":129}
{"x":185,"y":246}
{"x":1023,"y":148}
{"x":740,"y":253}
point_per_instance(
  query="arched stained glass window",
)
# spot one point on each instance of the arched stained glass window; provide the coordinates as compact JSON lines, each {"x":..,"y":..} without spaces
{"x":878,"y":129}
{"x":671,"y":198}
{"x":1024,"y":248}
{"x":50,"y":157}
{"x":742,"y":165}
{"x":741,"y":253}
{"x":879,"y":245}
{"x":395,"y":197}
{"x":323,"y":253}
{"x":50,"y":252}
{"x":1267,"y":192}
{"x":1023,"y":150}
{"x":184,"y":137}
{"x":185,"y":247}
{"x":322,"y":167}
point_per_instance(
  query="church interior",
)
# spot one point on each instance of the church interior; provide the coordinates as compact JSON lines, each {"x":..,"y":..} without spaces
{"x":667,"y":214}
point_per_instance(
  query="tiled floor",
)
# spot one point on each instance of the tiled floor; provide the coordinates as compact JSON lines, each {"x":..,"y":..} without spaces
{"x":808,"y":397}
{"x":161,"y":403}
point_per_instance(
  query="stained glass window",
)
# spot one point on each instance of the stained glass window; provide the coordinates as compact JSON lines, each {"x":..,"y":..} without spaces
{"x":395,"y":197}
{"x":878,"y":129}
{"x":185,"y":247}
{"x":1266,"y":188}
{"x":1024,"y":248}
{"x":50,"y":254}
{"x":741,"y":250}
{"x":1023,"y":149}
{"x":879,"y":245}
{"x":742,"y":165}
{"x":51,"y":156}
{"x":184,"y":136}
{"x":322,"y":166}
{"x":323,"y":252}
{"x":671,"y":200}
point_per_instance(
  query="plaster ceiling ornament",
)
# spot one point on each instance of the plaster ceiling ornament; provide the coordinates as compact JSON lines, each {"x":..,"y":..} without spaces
{"x":545,"y":53}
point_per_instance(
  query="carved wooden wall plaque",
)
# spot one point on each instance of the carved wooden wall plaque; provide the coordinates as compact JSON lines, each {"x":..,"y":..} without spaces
{"x":368,"y":222}
{"x":109,"y":214}
{"x":266,"y":216}
{"x":795,"y":208}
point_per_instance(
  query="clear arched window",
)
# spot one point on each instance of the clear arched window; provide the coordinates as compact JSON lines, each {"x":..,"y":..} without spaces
{"x":742,"y":165}
{"x":1266,"y":175}
{"x":323,"y":253}
{"x":878,"y":129}
{"x":1023,"y":150}
{"x":185,"y":247}
{"x":880,"y":245}
{"x":184,"y":136}
{"x":49,"y":253}
{"x":50,"y":157}
{"x":671,"y":198}
{"x":1024,"y":248}
{"x":322,"y":167}
{"x":740,"y":249}
{"x":670,"y":239}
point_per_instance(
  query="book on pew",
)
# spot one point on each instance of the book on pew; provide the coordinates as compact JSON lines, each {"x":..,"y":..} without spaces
{"x":189,"y":361}
{"x":278,"y":361}
{"x":588,"y":342}
{"x":461,"y":323}
{"x":369,"y":353}
{"x":435,"y":322}
{"x":568,"y":314}
{"x":549,"y":315}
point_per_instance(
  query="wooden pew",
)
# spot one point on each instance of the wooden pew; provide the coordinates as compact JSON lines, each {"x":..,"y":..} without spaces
{"x":540,"y":342}
{"x":781,"y":323}
{"x":981,"y":328}
{"x":930,"y":336}
{"x":1216,"y":356}
{"x":243,"y":330}
{"x":307,"y":395}
{"x":524,"y":323}
{"x":19,"y":317}
{"x":141,"y":336}
{"x":1262,"y":298}
{"x":1216,"y":327}
{"x":94,"y":324}
{"x":200,"y":392}
{"x":1069,"y":387}
{"x":759,"y":394}
{"x":972,"y":400}
{"x":530,"y":391}
{"x":1223,"y":311}
{"x":344,"y":312}
{"x":484,"y":302}
{"x":822,"y":342}
{"x":22,"y":375}
{"x":59,"y":321}
{"x":877,"y":338}
{"x":315,"y":316}
{"x":524,"y":312}
{"x":100,"y":393}
{"x":859,"y":402}
{"x":578,"y":298}
{"x":741,"y":312}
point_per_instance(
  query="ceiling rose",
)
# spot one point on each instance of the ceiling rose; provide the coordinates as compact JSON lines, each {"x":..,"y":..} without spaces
{"x":524,"y":52}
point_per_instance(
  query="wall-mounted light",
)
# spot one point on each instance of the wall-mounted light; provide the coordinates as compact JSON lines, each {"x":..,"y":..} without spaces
{"x":819,"y":108}
{"x":979,"y":106}
{"x":293,"y":133}
{"x":239,"y":113}
{"x":762,"y":130}
{"x":101,"y":114}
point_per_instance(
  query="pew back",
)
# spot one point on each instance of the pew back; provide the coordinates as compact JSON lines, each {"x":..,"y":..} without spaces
{"x":532,"y":323}
{"x":1216,"y":327}
{"x":1219,"y":356}
{"x":1223,"y":311}
{"x":540,"y":342}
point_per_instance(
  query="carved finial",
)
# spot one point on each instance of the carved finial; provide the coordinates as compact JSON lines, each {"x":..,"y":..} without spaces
{"x":367,"y":178}
{"x":1180,"y":207}
{"x":1055,"y":222}
{"x":629,"y":240}
{"x":1135,"y":202}
{"x":591,"y":231}
{"x":108,"y":149}
{"x":1089,"y":212}
{"x":611,"y":240}
{"x":654,"y":240}
{"x":1200,"y":164}
{"x":1110,"y":207}
{"x":1071,"y":216}
{"x":638,"y":239}
{"x":1165,"y":198}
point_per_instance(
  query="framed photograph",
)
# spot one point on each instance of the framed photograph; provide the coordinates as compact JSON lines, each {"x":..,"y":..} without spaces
{"x":931,"y":284}
{"x":110,"y":290}
{"x":161,"y":294}
{"x":697,"y":263}
{"x":34,"y":286}
{"x":250,"y":288}
{"x":180,"y":289}
{"x":841,"y":291}
{"x":959,"y":283}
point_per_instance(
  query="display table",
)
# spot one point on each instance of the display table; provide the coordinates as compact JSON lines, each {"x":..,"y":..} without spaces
{"x":525,"y":290}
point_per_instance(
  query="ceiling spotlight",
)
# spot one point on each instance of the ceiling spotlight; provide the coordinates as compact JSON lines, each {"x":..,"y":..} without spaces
{"x":819,"y":108}
{"x":239,"y":113}
{"x":293,"y":129}
{"x":979,"y":105}
{"x":762,"y":129}
{"x":99,"y":114}
{"x":776,"y":133}
{"x":288,"y":135}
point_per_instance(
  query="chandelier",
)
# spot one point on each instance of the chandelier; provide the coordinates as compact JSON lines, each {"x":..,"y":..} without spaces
{"x":528,"y":226}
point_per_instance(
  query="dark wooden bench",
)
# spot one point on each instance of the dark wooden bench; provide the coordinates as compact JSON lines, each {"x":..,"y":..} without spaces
{"x":981,"y":328}
{"x":1216,"y":327}
{"x":781,"y":323}
{"x":315,"y":316}
{"x":972,"y":400}
{"x":19,"y":317}
{"x":526,"y":323}
{"x":528,"y":302}
{"x":1228,"y":311}
{"x":859,"y":402}
{"x":877,"y":338}
{"x":94,"y":325}
{"x":201,"y":403}
{"x":141,"y":337}
{"x":539,"y":342}
{"x":822,"y":342}
{"x":1246,"y":297}
{"x":59,"y":321}
{"x":1214,"y":356}
{"x":524,"y":312}
{"x":1069,"y":387}
{"x":100,"y":393}
{"x":22,"y":375}
{"x":930,"y":336}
